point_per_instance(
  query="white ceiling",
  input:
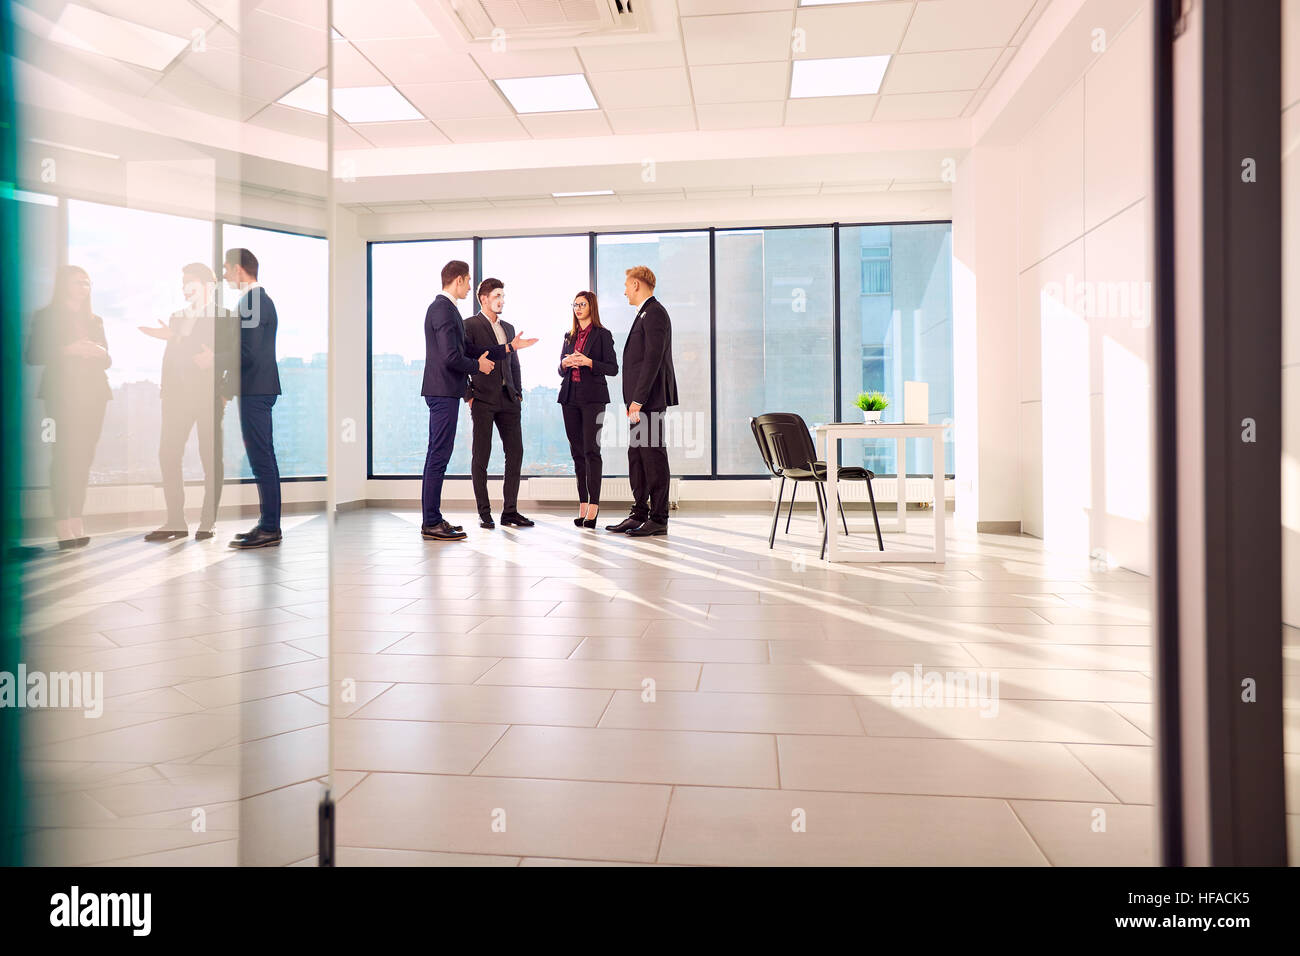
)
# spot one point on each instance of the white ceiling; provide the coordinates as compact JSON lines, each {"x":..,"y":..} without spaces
{"x":706,"y":66}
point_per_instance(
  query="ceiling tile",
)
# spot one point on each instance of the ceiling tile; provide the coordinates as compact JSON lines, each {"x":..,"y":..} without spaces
{"x":353,"y":69}
{"x":635,"y":89}
{"x":225,"y":69}
{"x":632,"y":56}
{"x":440,"y":101}
{"x":412,"y":133}
{"x":377,"y":19}
{"x":286,"y":119}
{"x":483,"y":129}
{"x":510,"y":64}
{"x":741,"y":115}
{"x":418,"y":60}
{"x":915,"y":106}
{"x":345,"y":137}
{"x":391,"y":208}
{"x":694,"y":8}
{"x":516,"y":201}
{"x":179,"y":89}
{"x":311,"y":13}
{"x":176,"y":17}
{"x":738,"y":192}
{"x":741,"y":83}
{"x":939,"y":72}
{"x":738,"y":38}
{"x":458,"y":205}
{"x":283,"y":42}
{"x":973,"y":106}
{"x":917,"y":185}
{"x":964,"y":24}
{"x":558,"y":125}
{"x":829,"y":110}
{"x":839,"y":189}
{"x":1002,"y":62}
{"x":659,"y":119}
{"x":806,"y":189}
{"x":868,"y":29}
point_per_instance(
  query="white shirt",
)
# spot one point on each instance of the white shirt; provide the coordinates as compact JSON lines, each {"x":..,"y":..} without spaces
{"x":496,"y":328}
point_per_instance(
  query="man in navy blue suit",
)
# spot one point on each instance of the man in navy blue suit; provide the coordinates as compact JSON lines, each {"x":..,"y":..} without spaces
{"x":258,"y":388}
{"x":447,"y":365}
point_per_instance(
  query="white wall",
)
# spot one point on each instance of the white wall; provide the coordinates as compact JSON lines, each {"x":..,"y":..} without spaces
{"x":1084,"y":309}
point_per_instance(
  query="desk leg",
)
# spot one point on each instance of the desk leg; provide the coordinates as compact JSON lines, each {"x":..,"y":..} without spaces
{"x":821,"y":455}
{"x":939,"y":506}
{"x":901,"y":522}
{"x":832,"y":460}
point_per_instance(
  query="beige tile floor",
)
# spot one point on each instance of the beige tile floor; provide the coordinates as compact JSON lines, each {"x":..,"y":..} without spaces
{"x":552,"y":696}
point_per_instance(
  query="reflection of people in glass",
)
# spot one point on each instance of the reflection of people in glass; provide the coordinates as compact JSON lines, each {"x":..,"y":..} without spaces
{"x":259,"y":385}
{"x":587,"y":357}
{"x":199,"y":354}
{"x":68,"y":340}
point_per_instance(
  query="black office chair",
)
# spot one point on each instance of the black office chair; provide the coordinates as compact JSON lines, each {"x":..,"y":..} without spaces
{"x":790,"y":453}
{"x":794,"y":488}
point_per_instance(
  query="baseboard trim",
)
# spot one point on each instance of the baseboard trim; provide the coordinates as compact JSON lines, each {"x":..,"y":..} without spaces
{"x":997,"y":527}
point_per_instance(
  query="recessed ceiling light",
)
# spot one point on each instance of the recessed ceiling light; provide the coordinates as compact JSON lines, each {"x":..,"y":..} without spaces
{"x":839,"y":76}
{"x":548,"y":94}
{"x":373,"y":104}
{"x":589,"y":192}
{"x":312,"y":96}
{"x":95,"y":32}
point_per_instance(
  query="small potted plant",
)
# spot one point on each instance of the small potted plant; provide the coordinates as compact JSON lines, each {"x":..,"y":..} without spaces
{"x":872,"y":404}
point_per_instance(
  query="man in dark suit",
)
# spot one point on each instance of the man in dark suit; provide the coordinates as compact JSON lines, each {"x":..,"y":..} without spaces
{"x":447,"y":362}
{"x":495,"y":397}
{"x":649,"y":388}
{"x":258,"y":387}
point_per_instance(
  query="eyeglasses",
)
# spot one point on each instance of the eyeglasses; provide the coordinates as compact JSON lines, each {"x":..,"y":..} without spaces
{"x":579,"y":305}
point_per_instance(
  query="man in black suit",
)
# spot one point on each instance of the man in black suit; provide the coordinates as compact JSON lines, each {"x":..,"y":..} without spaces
{"x":447,"y":362}
{"x":649,"y":388}
{"x":258,"y":387}
{"x":495,"y":397}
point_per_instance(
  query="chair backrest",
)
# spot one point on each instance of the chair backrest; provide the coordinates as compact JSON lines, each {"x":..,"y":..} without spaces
{"x":763,"y":450}
{"x":788,"y":440}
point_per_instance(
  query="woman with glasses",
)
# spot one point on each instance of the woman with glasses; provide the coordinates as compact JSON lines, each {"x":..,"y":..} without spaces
{"x":586,"y":358}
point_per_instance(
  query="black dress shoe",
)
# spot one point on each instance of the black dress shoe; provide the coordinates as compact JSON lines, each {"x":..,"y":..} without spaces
{"x":486,"y":522}
{"x":624,"y":526}
{"x":441,"y":532}
{"x":166,"y":534}
{"x":203,"y":534}
{"x":241,"y":537}
{"x":257,"y":538}
{"x":649,"y":529}
{"x":516,"y":519}
{"x":589,"y":523}
{"x":579,"y":522}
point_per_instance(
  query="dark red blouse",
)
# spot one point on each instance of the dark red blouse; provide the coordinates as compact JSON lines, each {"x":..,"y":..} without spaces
{"x":578,"y":344}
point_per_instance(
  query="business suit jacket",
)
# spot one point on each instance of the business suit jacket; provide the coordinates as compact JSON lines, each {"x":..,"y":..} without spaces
{"x":217,"y":329}
{"x":447,"y":362}
{"x":490,"y":388}
{"x":68,"y":377}
{"x":648,"y":375}
{"x":258,"y":372}
{"x":591,"y":388}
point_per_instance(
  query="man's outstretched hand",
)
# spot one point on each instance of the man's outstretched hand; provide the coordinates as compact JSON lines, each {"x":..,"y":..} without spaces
{"x":519,"y":342}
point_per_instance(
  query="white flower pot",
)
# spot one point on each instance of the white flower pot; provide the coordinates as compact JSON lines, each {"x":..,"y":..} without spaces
{"x":871,"y":417}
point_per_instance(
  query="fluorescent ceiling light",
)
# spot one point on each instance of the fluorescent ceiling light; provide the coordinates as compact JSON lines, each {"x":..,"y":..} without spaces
{"x":373,"y":104}
{"x":840,"y":76}
{"x":589,"y":192}
{"x":549,"y":94}
{"x":312,"y":96}
{"x":75,"y":149}
{"x":96,"y":32}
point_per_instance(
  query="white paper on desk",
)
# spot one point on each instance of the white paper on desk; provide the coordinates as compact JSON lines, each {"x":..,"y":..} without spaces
{"x":916,"y":403}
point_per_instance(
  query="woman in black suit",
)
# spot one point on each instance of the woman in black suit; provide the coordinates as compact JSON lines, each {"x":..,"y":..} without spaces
{"x":586,"y":358}
{"x":67,"y":338}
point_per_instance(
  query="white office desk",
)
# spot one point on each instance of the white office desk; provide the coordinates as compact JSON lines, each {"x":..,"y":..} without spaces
{"x":828,"y":445}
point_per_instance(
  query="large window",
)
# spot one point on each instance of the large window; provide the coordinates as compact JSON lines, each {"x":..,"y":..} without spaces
{"x":134,"y":259}
{"x":755,"y":326}
{"x":680,"y":262}
{"x":896,"y":327}
{"x":775,"y":331}
{"x":294,"y":271}
{"x":404,"y":279}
